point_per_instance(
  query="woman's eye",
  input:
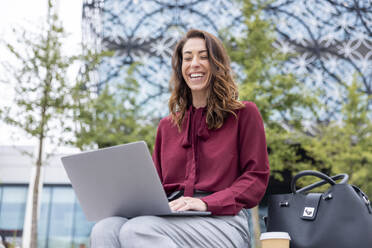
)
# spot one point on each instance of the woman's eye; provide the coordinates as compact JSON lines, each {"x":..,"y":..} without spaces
{"x":204,"y":57}
{"x":187,"y":59}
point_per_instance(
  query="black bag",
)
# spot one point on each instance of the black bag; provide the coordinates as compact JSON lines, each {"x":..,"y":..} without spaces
{"x":341,"y":217}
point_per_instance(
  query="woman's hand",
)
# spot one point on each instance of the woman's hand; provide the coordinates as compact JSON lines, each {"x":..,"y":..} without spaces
{"x":188,"y":203}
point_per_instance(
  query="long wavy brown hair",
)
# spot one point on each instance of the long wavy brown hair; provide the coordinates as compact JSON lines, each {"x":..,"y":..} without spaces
{"x":222,"y":97}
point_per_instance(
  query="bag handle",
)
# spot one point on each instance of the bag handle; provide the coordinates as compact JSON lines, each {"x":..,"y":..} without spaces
{"x":326,"y":179}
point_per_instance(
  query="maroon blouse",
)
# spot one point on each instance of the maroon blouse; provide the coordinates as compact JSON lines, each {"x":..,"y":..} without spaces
{"x":230,"y":161}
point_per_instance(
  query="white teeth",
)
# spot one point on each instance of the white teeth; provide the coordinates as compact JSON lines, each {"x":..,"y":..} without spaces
{"x":194,"y":75}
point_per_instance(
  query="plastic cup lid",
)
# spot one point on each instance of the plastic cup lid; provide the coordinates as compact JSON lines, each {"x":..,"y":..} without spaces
{"x":275,"y":235}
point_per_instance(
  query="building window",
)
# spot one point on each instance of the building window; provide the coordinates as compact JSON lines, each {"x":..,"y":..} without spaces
{"x":12,"y":211}
{"x":62,"y":222}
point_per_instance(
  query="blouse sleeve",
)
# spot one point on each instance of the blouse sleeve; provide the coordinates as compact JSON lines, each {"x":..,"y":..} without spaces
{"x":157,"y":151}
{"x":248,"y":189}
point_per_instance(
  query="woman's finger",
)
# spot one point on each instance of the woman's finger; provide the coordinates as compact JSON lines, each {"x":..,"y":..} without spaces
{"x":187,"y":203}
{"x":190,"y":203}
{"x":177,"y":204}
{"x":174,"y":202}
{"x":185,"y":207}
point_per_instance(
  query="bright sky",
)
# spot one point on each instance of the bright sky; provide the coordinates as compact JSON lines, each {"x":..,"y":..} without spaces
{"x":26,"y":12}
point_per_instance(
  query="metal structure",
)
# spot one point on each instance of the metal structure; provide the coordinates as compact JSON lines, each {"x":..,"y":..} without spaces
{"x":145,"y":32}
{"x":331,"y":42}
{"x":328,"y":40}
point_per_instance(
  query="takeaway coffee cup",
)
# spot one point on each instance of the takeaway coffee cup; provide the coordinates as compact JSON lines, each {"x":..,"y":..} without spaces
{"x":275,"y":240}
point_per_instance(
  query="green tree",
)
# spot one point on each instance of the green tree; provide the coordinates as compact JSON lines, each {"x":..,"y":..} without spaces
{"x":280,"y":97}
{"x":42,"y":101}
{"x":113,"y":116}
{"x":286,"y":104}
{"x":345,"y":146}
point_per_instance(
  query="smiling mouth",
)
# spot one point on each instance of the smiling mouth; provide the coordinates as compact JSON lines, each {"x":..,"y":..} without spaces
{"x":196,"y":76}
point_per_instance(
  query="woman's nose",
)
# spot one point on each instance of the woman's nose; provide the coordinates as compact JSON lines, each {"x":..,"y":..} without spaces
{"x":195,"y":62}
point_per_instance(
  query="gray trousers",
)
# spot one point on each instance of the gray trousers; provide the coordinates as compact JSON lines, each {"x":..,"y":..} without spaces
{"x":172,"y":231}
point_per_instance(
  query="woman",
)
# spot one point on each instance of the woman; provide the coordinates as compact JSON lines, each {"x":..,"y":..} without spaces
{"x":211,"y":148}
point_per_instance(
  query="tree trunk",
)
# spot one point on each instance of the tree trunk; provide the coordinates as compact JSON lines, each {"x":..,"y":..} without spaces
{"x":35,"y":207}
{"x":35,"y":197}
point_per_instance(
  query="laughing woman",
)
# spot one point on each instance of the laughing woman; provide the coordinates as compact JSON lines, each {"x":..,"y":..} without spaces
{"x":211,"y":149}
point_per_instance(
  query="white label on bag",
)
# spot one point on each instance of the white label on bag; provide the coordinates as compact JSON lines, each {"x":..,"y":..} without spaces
{"x":308,"y":212}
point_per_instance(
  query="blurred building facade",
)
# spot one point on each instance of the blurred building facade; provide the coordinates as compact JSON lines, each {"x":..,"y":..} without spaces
{"x":328,"y":42}
{"x":61,"y":220}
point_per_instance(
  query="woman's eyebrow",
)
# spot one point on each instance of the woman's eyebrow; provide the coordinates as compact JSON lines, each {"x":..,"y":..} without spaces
{"x":189,"y":52}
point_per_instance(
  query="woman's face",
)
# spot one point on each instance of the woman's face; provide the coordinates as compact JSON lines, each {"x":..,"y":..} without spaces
{"x":195,"y":65}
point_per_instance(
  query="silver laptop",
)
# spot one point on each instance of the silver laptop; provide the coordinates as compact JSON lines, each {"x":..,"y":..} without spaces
{"x":118,"y":181}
